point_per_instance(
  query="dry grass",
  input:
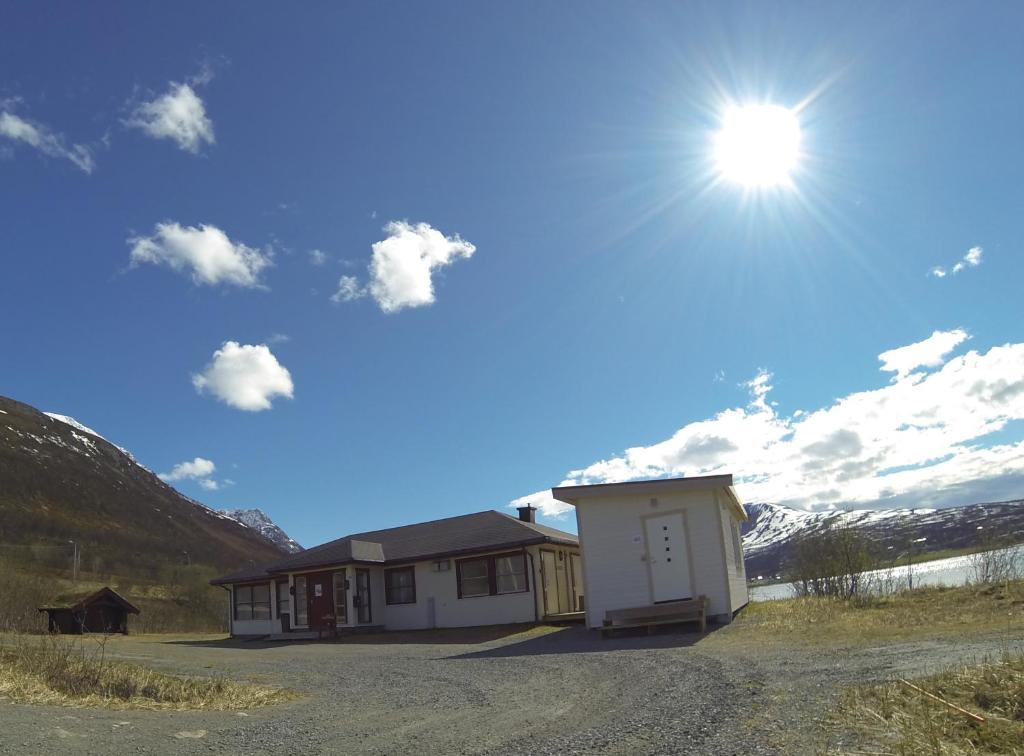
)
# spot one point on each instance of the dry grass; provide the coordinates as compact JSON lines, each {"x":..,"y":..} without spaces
{"x":58,"y":671}
{"x":924,"y":613}
{"x":894,"y":719}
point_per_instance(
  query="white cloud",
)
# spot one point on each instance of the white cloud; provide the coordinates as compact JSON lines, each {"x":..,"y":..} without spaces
{"x":970,"y":260}
{"x":199,"y":470}
{"x":46,"y":141}
{"x":402,"y":266}
{"x":927,"y":353}
{"x":206,"y":251}
{"x":348,"y":290}
{"x":921,"y":440}
{"x":316,"y":257}
{"x":178,"y":115}
{"x":245,"y":376}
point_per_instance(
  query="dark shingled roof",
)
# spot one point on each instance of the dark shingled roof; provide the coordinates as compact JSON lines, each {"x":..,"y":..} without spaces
{"x":452,"y":536}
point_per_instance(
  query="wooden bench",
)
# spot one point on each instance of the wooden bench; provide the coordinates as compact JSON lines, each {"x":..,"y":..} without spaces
{"x":674,"y":612}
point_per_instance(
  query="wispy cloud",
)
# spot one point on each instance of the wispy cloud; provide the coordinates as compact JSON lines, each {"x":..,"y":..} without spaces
{"x":45,"y":140}
{"x":205,"y":252}
{"x":245,"y":376}
{"x":402,"y":266}
{"x":349,"y":289}
{"x":970,"y":260}
{"x":316,"y":257}
{"x":920,"y":440}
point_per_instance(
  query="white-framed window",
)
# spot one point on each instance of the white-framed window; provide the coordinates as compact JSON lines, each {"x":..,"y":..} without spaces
{"x":301,"y":601}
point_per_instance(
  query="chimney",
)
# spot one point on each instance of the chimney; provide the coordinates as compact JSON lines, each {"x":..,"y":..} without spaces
{"x":527,"y":513}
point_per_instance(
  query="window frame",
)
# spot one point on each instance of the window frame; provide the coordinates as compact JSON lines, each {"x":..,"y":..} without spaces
{"x":492,"y":573}
{"x":283,"y":602}
{"x":388,"y":588}
{"x":252,"y":603}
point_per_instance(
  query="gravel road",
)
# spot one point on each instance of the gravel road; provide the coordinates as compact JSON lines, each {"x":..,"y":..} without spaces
{"x":482,"y":692}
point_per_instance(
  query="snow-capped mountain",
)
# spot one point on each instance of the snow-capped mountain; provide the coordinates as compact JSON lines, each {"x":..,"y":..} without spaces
{"x":771,"y":528}
{"x":258,"y":521}
{"x":62,"y":482}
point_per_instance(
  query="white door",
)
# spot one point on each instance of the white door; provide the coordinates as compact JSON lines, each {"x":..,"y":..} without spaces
{"x":666,"y":552}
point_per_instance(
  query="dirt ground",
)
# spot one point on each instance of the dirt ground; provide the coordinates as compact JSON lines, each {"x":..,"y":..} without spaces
{"x":510,"y":690}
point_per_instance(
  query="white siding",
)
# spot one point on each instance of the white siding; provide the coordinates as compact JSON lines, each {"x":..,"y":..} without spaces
{"x":615,"y":555}
{"x":734,"y":558}
{"x":441,"y":588}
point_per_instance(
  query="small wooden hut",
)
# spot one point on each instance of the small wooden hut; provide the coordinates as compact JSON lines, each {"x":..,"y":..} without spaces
{"x":102,"y":611}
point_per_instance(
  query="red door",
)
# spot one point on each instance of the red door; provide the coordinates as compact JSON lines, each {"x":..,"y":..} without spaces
{"x":320,"y":592}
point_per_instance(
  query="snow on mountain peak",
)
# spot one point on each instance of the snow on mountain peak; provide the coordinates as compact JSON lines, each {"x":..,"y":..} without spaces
{"x":258,"y":521}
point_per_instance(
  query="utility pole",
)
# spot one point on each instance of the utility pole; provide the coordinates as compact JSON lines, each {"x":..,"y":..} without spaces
{"x":74,"y":561}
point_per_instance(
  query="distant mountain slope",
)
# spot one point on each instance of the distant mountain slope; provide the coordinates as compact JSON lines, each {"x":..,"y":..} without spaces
{"x":61,"y":481}
{"x":771,"y":528}
{"x":258,"y":521}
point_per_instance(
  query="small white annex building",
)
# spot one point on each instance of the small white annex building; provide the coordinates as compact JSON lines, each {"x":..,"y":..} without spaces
{"x":656,"y":541}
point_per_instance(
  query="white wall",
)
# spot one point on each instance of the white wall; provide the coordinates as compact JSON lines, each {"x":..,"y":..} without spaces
{"x":736,"y":571}
{"x":615,"y":556}
{"x":451,"y":611}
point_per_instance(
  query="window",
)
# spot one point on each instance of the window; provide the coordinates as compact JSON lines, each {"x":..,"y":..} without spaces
{"x":510,"y":572}
{"x":474,"y":578}
{"x":737,"y":549}
{"x":340,"y":597}
{"x":492,"y":575}
{"x":252,"y":602}
{"x":400,"y":585}
{"x":284,"y":600}
{"x":301,"y":604}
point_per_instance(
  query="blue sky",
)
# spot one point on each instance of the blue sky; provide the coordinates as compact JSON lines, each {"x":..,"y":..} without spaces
{"x":565,"y":289}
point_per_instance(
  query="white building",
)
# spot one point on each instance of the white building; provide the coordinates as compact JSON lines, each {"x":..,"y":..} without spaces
{"x":655,"y":541}
{"x":486,"y":568}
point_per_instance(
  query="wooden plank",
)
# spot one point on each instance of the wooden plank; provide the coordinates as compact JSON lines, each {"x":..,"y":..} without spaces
{"x":970,"y":715}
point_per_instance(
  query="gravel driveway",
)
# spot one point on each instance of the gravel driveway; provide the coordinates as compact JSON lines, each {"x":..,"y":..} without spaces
{"x":484,"y":692}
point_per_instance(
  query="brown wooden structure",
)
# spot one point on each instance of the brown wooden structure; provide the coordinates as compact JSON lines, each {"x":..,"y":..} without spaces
{"x":102,"y":611}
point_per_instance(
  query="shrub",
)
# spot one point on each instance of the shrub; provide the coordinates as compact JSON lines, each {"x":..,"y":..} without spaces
{"x":831,"y":562}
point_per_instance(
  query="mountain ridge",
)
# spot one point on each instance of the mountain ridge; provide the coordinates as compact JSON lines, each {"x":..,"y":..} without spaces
{"x":61,"y":482}
{"x":771,"y":529}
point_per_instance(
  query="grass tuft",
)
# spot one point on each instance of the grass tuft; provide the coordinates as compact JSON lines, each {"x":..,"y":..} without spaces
{"x":894,"y":719}
{"x":58,"y":671}
{"x":933,"y":612}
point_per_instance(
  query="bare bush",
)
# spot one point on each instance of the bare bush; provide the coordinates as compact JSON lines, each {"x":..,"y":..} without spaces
{"x":832,"y":563}
{"x":998,"y":562}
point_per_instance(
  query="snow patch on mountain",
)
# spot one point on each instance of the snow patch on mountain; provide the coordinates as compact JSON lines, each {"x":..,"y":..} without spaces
{"x":258,"y":521}
{"x":68,"y":420}
{"x":770,"y":524}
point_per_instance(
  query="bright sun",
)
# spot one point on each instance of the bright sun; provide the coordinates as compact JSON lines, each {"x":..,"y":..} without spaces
{"x":758,"y":145}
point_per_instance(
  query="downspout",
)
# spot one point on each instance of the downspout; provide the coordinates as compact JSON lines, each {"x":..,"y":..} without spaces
{"x":533,"y":571}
